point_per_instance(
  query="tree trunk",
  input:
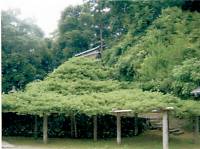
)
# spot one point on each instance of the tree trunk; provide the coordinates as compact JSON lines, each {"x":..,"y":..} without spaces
{"x":95,"y":127}
{"x":165,"y":130}
{"x":136,"y":124}
{"x":45,"y":128}
{"x":35,"y":127}
{"x":118,"y":128}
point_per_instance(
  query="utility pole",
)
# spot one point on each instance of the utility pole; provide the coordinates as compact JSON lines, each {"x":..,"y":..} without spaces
{"x":100,"y":28}
{"x":101,"y":37}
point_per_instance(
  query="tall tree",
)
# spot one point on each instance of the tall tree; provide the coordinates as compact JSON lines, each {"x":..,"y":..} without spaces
{"x":25,"y":56}
{"x":75,"y":31}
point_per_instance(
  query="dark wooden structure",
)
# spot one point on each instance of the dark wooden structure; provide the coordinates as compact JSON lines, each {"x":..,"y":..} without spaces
{"x":196,"y":92}
{"x":94,"y":52}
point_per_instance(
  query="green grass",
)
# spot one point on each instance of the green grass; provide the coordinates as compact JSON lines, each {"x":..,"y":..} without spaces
{"x":148,"y":140}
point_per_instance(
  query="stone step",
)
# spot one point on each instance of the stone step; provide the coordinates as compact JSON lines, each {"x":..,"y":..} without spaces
{"x":156,"y":123}
{"x":178,"y":133}
{"x":155,"y":120}
{"x":152,"y":119}
{"x":156,"y":126}
{"x":172,"y":130}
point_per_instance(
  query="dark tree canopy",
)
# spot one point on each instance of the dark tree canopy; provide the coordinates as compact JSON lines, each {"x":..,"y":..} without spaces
{"x":25,"y":56}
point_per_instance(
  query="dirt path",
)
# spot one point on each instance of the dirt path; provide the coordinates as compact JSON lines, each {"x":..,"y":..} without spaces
{"x":6,"y":145}
{"x":28,"y":147}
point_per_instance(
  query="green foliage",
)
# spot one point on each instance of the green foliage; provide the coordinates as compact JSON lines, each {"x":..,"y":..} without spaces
{"x":80,"y":27}
{"x":85,"y":86}
{"x":25,"y":56}
{"x":186,"y":77}
{"x":96,"y":103}
{"x":150,"y":58}
{"x":76,"y":31}
{"x":75,"y":77}
{"x":167,"y":49}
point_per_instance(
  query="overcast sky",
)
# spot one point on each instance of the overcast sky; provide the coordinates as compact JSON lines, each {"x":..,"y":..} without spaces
{"x":45,"y":12}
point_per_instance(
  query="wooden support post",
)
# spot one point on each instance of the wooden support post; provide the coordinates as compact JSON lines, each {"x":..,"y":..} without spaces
{"x":118,"y":114}
{"x":75,"y":127}
{"x":136,"y":124}
{"x":168,"y":119}
{"x":165,"y":130}
{"x":95,"y":128}
{"x":118,"y":128}
{"x":196,"y":129}
{"x":35,"y":127}
{"x":72,"y":126}
{"x":45,"y":128}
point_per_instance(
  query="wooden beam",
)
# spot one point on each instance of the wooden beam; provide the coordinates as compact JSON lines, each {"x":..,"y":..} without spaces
{"x":118,"y":128}
{"x":165,"y":130}
{"x":35,"y":127}
{"x":95,"y":127}
{"x":45,"y":128}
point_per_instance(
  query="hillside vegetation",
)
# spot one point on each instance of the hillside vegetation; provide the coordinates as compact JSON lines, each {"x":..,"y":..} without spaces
{"x":166,"y":58}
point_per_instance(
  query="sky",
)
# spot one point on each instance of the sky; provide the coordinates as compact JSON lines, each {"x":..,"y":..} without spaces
{"x":46,"y":13}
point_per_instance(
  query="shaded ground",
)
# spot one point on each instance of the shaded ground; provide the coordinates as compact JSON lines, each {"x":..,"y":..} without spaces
{"x":149,"y":140}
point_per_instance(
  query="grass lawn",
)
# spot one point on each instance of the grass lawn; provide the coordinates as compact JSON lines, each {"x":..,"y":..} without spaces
{"x":148,"y":140}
